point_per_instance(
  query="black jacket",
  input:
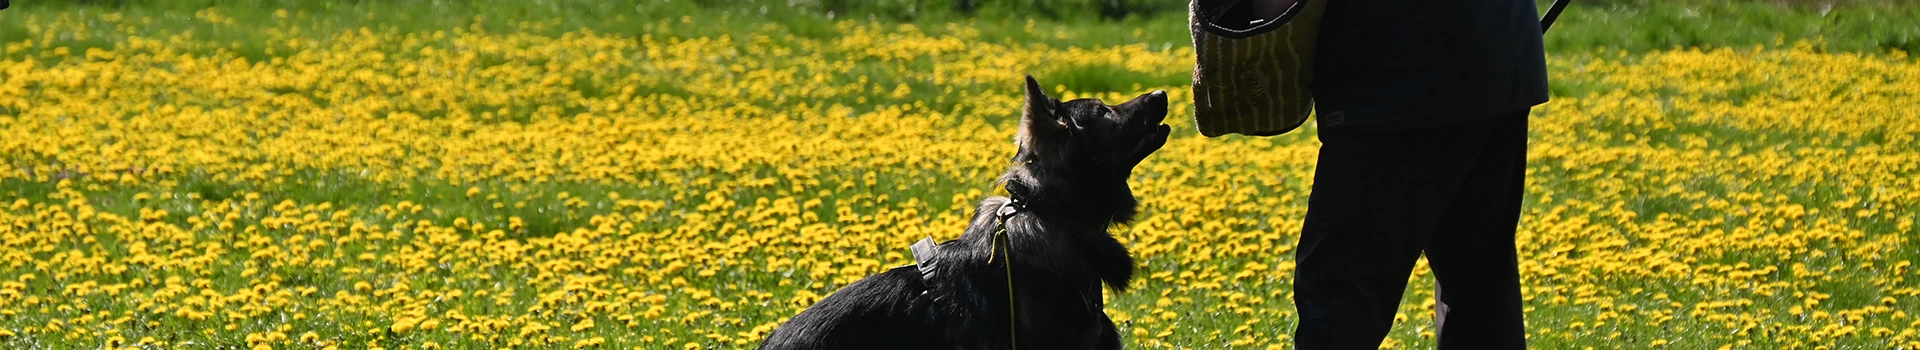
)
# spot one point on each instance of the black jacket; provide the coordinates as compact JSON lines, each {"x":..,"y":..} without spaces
{"x":1403,"y":64}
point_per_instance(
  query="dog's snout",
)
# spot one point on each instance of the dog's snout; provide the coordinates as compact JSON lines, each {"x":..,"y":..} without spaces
{"x":1156,"y":110}
{"x":1158,"y":98}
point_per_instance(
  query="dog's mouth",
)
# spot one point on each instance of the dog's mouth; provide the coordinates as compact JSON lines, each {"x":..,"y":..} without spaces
{"x":1152,"y":141}
{"x":1154,"y":138}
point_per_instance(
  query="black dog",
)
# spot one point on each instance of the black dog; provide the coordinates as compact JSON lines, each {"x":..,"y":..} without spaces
{"x":1068,"y":184}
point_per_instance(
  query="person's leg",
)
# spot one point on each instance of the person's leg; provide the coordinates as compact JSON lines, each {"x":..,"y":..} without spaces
{"x":1376,"y":197}
{"x":1344,"y":302}
{"x":1472,"y":250}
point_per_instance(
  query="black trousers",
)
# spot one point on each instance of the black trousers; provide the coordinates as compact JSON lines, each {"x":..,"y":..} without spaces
{"x":1380,"y":200}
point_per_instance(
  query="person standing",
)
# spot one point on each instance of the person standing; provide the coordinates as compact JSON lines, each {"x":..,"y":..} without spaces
{"x":1422,"y":110}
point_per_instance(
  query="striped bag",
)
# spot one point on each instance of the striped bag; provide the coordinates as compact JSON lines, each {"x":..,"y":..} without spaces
{"x":1255,"y":64}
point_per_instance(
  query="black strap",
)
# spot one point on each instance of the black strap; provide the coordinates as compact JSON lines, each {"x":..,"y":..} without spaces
{"x":1553,"y":12}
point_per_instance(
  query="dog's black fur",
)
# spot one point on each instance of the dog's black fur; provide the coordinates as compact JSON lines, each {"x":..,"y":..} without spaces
{"x":1068,"y":184}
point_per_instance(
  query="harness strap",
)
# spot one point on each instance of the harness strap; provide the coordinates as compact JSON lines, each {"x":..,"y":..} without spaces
{"x":925,"y":260}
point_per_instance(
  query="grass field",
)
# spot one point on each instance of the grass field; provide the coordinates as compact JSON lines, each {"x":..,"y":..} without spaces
{"x":341,"y":178}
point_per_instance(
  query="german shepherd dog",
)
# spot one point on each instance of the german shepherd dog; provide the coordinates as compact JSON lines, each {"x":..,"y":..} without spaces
{"x":1067,"y":185}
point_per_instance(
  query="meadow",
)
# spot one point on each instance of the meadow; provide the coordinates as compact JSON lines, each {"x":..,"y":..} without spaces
{"x":303,"y":179}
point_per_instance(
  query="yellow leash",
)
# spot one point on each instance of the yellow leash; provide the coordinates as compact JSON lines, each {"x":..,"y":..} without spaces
{"x":1005,"y":246}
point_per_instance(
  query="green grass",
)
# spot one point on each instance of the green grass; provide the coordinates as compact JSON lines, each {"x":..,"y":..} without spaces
{"x":1634,"y":26}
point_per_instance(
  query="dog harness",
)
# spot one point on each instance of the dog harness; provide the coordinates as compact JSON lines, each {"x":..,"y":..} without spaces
{"x":923,"y":257}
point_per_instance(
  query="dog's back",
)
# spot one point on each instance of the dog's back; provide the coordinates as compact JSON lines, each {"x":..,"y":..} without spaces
{"x":963,"y":306}
{"x":886,"y":311}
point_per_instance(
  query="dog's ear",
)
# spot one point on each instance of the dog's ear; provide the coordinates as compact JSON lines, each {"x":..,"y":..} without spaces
{"x":1039,"y":107}
{"x":1040,"y":123}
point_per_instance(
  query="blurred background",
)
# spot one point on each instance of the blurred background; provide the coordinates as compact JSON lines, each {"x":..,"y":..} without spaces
{"x":1633,"y":25}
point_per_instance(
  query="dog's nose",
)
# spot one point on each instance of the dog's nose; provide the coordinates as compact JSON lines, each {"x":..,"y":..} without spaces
{"x":1156,"y":107}
{"x":1158,"y":97}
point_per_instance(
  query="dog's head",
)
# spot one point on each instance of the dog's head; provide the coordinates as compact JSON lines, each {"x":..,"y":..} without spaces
{"x":1087,"y":137}
{"x":1072,"y":166}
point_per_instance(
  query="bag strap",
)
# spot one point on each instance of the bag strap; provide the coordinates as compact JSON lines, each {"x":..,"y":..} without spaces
{"x":1553,"y":13}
